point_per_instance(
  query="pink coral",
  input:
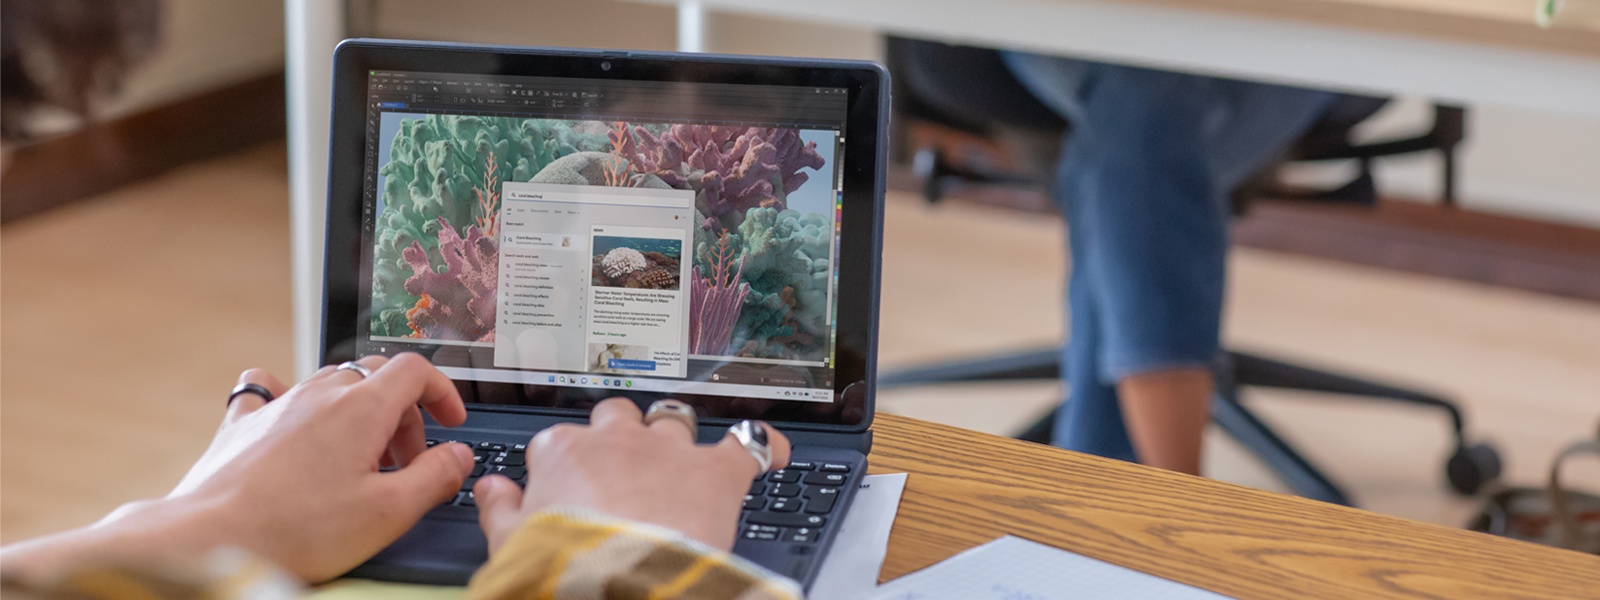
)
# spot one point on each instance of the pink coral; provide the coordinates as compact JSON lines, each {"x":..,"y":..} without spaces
{"x":458,"y":304}
{"x":616,"y":165}
{"x":739,"y":164}
{"x":488,"y":207}
{"x":715,"y":302}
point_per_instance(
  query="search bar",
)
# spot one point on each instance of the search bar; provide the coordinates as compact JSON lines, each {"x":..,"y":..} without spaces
{"x":598,"y":195}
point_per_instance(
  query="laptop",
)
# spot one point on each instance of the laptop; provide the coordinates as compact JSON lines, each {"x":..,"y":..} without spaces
{"x":553,"y":227}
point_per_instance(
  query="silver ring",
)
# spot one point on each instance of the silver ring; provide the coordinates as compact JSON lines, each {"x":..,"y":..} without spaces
{"x":675,"y":410}
{"x":351,"y":365}
{"x":754,"y":439}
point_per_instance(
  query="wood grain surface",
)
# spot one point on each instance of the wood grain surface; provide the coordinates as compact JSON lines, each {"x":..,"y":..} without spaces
{"x":966,"y":488}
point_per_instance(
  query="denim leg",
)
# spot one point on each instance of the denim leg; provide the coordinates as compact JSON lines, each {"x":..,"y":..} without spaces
{"x":1143,"y":183}
{"x":1091,"y":421}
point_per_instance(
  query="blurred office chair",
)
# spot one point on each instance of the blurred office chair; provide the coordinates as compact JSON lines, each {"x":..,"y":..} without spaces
{"x":970,"y":90}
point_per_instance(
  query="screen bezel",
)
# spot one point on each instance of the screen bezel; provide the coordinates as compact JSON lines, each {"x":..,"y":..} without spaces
{"x":863,"y":185}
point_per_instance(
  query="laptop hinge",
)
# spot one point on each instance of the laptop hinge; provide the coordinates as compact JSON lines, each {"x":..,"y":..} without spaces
{"x":861,"y":442}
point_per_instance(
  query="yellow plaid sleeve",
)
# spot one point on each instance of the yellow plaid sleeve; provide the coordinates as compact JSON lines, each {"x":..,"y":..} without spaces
{"x":561,"y":554}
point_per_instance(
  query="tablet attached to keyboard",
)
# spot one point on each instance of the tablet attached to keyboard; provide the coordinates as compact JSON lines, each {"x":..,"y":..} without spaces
{"x":554,"y":227}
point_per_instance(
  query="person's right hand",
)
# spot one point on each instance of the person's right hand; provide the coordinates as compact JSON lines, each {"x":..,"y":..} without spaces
{"x":618,"y":466}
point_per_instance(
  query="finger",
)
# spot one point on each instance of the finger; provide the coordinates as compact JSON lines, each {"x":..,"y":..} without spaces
{"x":320,"y":374}
{"x":410,"y":437}
{"x":432,"y":477}
{"x":247,"y":403}
{"x":499,"y":508}
{"x":352,"y":376}
{"x":779,"y":443}
{"x":737,"y":454}
{"x":409,"y":379}
{"x":676,"y":429}
{"x":616,"y":411}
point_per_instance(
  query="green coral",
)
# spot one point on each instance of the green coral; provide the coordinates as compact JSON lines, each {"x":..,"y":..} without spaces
{"x":785,"y":256}
{"x":434,"y":164}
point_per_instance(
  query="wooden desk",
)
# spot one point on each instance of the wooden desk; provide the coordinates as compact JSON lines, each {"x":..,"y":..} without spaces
{"x":967,"y":488}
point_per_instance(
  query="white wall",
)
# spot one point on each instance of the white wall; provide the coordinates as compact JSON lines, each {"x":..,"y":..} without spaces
{"x":1517,"y":162}
{"x":205,"y":44}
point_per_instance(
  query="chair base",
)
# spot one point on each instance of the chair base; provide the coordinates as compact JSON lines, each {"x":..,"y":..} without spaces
{"x":1470,"y":467}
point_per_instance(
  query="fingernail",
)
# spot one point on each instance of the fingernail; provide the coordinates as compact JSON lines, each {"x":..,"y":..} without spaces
{"x":465,"y":454}
{"x":485,"y":486}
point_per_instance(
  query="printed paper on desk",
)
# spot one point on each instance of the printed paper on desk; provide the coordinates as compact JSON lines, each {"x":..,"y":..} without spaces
{"x":850,"y":572}
{"x":1013,"y":568}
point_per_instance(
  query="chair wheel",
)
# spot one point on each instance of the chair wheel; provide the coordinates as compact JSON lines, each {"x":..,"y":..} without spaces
{"x":1472,"y":467}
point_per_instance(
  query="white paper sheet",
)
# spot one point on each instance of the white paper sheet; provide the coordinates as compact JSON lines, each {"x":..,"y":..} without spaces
{"x":850,"y":572}
{"x":1012,"y":568}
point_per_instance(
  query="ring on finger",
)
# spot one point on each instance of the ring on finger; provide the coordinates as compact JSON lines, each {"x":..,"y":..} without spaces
{"x":355,"y":367}
{"x":754,"y":439}
{"x":674,"y":410}
{"x":250,"y":388}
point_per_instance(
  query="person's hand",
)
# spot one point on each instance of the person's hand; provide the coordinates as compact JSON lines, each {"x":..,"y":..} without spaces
{"x":296,"y":480}
{"x":618,"y":466}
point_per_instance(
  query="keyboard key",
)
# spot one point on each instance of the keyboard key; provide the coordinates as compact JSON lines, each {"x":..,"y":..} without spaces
{"x":824,"y":478}
{"x":783,"y":476}
{"x":760,"y":535}
{"x":491,"y":446}
{"x":796,"y":537}
{"x":478,"y":470}
{"x":836,"y":467}
{"x":432,"y":443}
{"x":512,"y":472}
{"x":510,"y":459}
{"x":801,"y":466}
{"x":758,"y":488}
{"x":755,"y":502}
{"x":785,"y":490}
{"x":764,"y":528}
{"x":819,"y":501}
{"x":785,"y":505}
{"x":519,"y":448}
{"x":466,"y":484}
{"x":479,"y":458}
{"x":778,"y":519}
{"x":467,"y":500}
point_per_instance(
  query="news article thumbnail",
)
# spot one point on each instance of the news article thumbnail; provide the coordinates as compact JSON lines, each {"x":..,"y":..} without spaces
{"x":762,"y":241}
{"x":633,"y":262}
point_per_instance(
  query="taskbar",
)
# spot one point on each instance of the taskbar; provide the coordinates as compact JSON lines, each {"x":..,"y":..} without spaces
{"x":642,"y":384}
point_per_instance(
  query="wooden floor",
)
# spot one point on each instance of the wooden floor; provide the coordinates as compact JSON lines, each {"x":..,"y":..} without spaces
{"x":126,"y":319}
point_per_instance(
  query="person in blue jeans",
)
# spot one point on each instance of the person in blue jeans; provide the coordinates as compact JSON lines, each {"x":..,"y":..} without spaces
{"x":1144,"y":181}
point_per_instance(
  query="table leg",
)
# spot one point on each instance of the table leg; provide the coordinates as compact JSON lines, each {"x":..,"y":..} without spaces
{"x":691,"y":26}
{"x":312,"y":29}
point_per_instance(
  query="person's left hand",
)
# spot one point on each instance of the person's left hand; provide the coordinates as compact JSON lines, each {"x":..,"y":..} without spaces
{"x":297,"y":480}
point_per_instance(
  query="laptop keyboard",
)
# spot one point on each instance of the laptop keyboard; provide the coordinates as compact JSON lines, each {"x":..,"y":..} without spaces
{"x":792,"y":505}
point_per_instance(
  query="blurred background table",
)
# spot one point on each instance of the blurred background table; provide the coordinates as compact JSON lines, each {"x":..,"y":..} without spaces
{"x":966,"y":488}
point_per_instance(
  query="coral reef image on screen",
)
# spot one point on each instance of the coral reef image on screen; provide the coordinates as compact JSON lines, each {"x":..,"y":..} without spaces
{"x":630,"y":262}
{"x":761,"y":246}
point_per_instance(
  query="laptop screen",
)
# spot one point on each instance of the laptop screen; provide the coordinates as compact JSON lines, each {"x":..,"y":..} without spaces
{"x":574,"y":238}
